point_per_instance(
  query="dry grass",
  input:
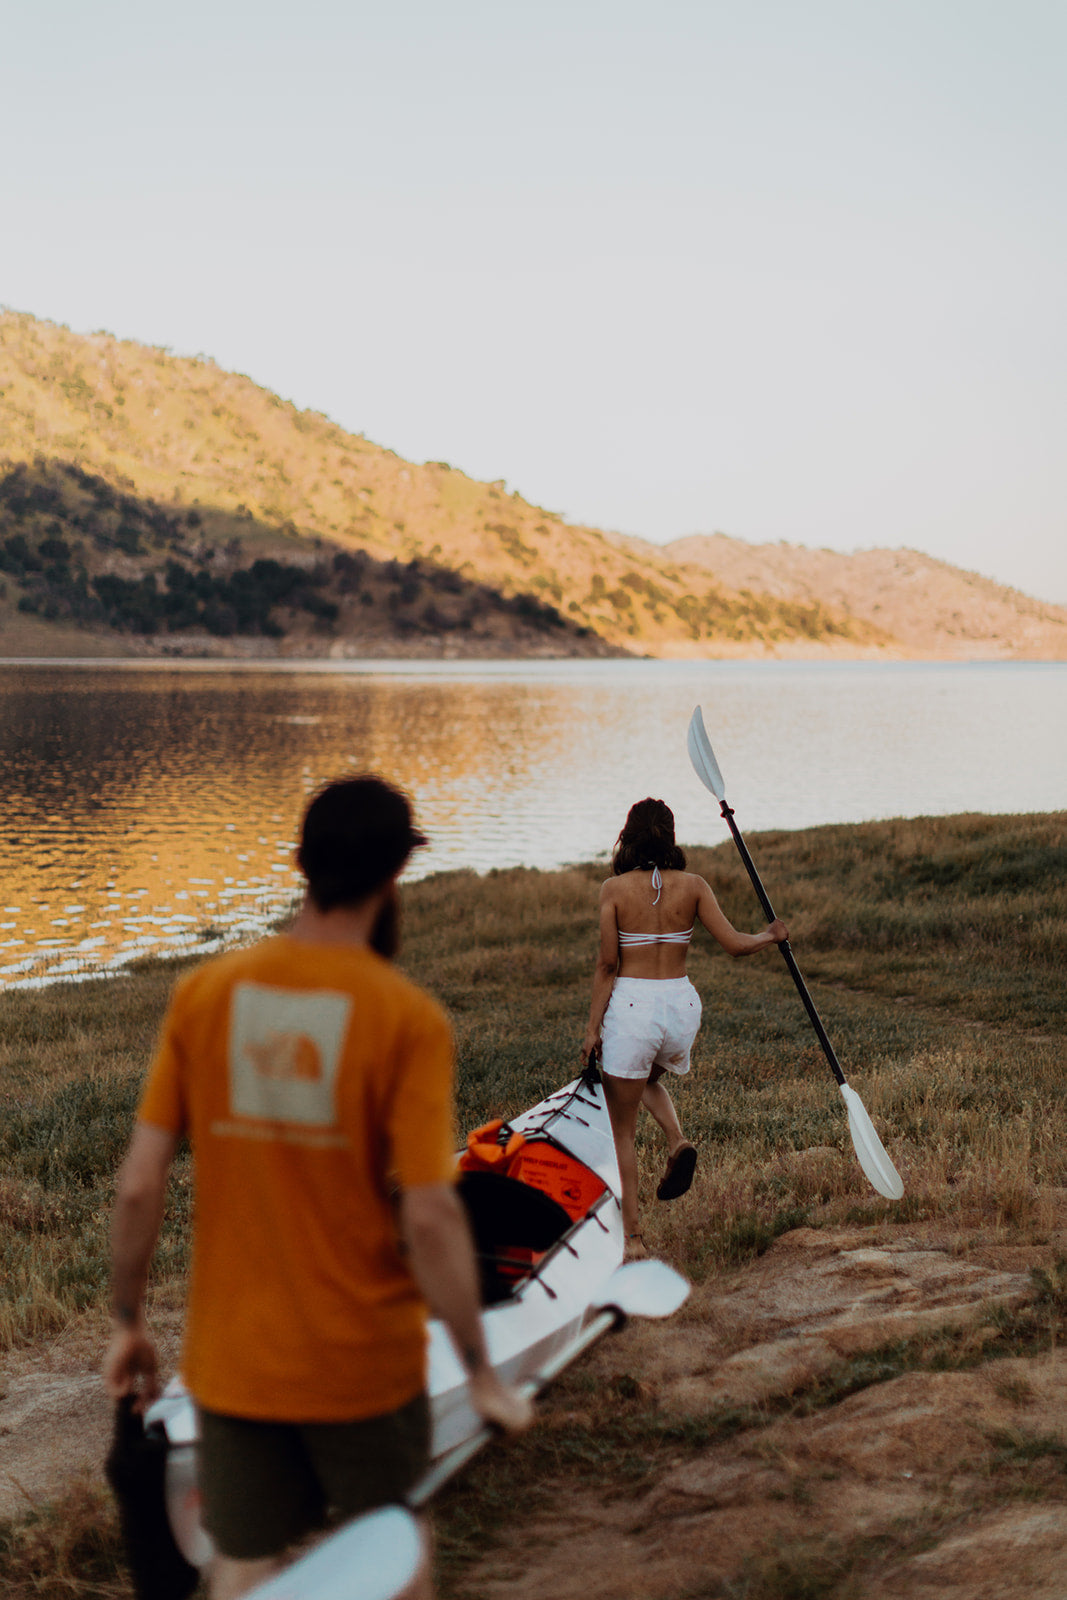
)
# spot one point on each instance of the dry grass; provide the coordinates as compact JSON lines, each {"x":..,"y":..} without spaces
{"x":71,"y":1061}
{"x":71,"y":1548}
{"x":956,"y":1047}
{"x":962,"y":1079}
{"x":953,"y":1038}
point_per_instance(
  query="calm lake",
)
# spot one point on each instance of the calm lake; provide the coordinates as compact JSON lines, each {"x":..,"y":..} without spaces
{"x":152,"y":808}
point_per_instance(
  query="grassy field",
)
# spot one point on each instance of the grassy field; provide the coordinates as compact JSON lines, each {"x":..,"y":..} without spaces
{"x":935,"y":950}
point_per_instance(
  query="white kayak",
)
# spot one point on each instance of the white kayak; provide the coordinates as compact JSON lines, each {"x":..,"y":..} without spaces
{"x":543,"y":1195}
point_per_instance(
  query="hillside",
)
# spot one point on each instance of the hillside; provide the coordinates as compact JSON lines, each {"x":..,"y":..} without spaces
{"x":157,"y":504}
{"x":924,"y":603}
{"x":87,"y":564}
{"x":179,"y":438}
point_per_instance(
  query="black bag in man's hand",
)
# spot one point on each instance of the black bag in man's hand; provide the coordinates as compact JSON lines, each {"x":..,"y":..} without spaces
{"x":136,"y":1466}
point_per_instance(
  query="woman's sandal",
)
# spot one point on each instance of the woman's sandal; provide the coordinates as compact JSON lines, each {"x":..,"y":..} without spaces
{"x":679,"y":1173}
{"x":635,"y":1248}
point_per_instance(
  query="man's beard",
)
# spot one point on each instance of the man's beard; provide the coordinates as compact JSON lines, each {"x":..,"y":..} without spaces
{"x":385,"y":934}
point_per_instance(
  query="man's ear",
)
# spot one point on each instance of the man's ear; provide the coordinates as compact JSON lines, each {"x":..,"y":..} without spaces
{"x":385,"y":932}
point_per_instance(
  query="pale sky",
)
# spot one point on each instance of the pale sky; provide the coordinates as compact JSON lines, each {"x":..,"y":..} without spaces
{"x":791,"y":269}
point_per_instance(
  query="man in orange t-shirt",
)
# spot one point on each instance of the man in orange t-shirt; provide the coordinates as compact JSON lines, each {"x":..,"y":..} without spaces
{"x":314,"y":1082}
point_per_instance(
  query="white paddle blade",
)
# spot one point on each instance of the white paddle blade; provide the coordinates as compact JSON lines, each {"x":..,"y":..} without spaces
{"x":870,"y":1152}
{"x":377,"y":1557}
{"x":644,"y":1289}
{"x":703,"y":756}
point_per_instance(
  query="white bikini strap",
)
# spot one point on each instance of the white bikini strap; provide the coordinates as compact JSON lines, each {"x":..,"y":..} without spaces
{"x":657,"y":884}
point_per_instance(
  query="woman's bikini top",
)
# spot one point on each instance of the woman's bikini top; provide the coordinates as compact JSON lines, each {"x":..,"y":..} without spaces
{"x":631,"y":940}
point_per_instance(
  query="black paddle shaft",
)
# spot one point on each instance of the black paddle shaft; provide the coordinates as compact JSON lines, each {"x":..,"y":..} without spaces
{"x":787,"y":954}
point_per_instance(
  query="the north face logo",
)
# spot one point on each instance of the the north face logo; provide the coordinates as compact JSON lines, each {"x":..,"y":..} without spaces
{"x":286,"y":1055}
{"x":285,"y":1050}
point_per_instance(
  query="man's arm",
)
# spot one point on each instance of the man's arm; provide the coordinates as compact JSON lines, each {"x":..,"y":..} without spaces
{"x":140,"y":1192}
{"x":441,"y":1255}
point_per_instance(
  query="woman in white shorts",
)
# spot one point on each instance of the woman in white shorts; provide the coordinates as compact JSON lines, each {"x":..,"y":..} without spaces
{"x":645,"y":1012}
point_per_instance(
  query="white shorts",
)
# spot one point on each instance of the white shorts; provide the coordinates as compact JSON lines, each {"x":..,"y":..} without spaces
{"x":650,"y":1022}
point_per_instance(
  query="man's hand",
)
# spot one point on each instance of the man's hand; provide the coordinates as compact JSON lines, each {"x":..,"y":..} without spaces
{"x":131,"y":1365}
{"x":498,"y":1404}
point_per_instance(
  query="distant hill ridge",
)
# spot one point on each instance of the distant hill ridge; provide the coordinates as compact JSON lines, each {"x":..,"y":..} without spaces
{"x":914,"y":597}
{"x":146,"y":491}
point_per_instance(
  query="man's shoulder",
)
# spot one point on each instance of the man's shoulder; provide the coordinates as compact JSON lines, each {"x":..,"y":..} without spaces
{"x":410,"y":994}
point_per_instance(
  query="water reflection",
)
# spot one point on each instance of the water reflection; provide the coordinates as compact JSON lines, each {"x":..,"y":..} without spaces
{"x":152,"y":808}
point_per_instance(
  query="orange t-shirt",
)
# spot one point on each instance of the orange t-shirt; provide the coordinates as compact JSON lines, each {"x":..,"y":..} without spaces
{"x":309,"y":1078}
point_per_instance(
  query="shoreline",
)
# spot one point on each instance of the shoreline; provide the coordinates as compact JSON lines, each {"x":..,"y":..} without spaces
{"x":69,"y":646}
{"x":437,"y":666}
{"x":814,"y":836}
{"x":139,"y":962}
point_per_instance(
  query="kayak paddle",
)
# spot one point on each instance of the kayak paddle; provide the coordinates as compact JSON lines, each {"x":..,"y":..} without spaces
{"x":377,"y":1556}
{"x":870,"y":1151}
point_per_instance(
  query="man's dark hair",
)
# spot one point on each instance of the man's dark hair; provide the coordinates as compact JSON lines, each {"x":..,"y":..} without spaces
{"x":647,"y":840}
{"x":357,"y":833}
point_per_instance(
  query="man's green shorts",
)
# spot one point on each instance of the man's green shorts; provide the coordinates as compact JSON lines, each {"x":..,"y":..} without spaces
{"x":264,"y":1485}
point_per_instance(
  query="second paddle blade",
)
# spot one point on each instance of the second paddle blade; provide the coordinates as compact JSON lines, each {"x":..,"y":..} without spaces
{"x":376,"y":1557}
{"x":644,"y":1289}
{"x":870,"y":1152}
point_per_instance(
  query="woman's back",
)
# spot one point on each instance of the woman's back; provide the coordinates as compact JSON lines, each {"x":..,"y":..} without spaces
{"x":655,"y":914}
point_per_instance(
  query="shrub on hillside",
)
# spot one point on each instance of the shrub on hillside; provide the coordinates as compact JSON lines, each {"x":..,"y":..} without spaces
{"x":54,"y":549}
{"x":17,"y":557}
{"x":243,"y":602}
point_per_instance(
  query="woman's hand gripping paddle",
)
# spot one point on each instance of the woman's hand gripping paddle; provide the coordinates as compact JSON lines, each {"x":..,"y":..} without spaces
{"x":870,"y":1151}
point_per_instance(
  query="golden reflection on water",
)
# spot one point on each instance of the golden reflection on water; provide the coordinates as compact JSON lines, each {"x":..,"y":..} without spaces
{"x":154,"y":809}
{"x":147,"y":811}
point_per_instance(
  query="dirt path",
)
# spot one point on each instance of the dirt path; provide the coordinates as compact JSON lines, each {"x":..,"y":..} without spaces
{"x":951,"y":1483}
{"x":55,"y":1419}
{"x":946,"y":1482}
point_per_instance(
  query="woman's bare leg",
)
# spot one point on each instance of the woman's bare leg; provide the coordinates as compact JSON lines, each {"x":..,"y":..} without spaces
{"x":623,"y":1096}
{"x":658,"y":1103}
